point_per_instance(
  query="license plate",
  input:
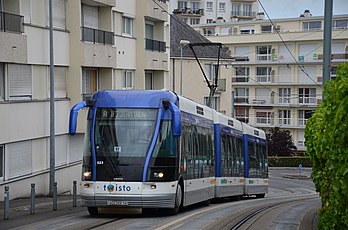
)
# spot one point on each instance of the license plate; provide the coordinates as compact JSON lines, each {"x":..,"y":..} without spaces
{"x":117,"y":202}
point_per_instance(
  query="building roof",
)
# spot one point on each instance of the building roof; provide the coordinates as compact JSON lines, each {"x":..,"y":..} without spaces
{"x":179,"y":30}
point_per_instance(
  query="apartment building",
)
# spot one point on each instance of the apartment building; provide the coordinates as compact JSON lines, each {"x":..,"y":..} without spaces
{"x":277,"y":71}
{"x":188,"y":75}
{"x":98,"y":44}
{"x":209,"y":11}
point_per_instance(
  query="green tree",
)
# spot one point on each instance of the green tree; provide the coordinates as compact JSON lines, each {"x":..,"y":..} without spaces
{"x":280,"y":143}
{"x":326,"y":137}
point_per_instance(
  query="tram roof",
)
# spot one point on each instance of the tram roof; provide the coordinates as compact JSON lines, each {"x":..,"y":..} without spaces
{"x":252,"y":131}
{"x":133,"y":98}
{"x":227,"y":121}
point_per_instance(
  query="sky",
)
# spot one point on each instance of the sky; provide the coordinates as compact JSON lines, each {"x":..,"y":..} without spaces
{"x":293,"y":8}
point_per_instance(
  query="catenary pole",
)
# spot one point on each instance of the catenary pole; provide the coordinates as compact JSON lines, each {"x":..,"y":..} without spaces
{"x":327,"y":41}
{"x":52,"y":110}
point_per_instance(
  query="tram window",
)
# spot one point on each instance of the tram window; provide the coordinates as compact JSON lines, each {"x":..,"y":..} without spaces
{"x":252,"y":159}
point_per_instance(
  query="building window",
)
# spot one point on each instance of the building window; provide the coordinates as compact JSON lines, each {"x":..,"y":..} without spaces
{"x":312,"y":25}
{"x":209,"y":6}
{"x":340,"y":24}
{"x":235,"y":10}
{"x":89,"y":81}
{"x":209,"y":31}
{"x":242,"y":114}
{"x":58,"y":14}
{"x":284,"y":117}
{"x":307,"y":96}
{"x":20,"y":82}
{"x":25,"y":10}
{"x":215,"y":104}
{"x":247,"y":30}
{"x":182,"y":5}
{"x":242,"y":74}
{"x":264,"y":117}
{"x":266,"y":29}
{"x":60,"y":74}
{"x":263,"y":74}
{"x":19,"y":159}
{"x":2,"y":168}
{"x":2,"y":82}
{"x":211,"y":71}
{"x":149,"y":82}
{"x":222,"y":6}
{"x":127,"y":79}
{"x":247,"y":10}
{"x":209,"y":21}
{"x":194,"y":21}
{"x":263,"y":53}
{"x":242,"y":95}
{"x":90,"y":16}
{"x":303,"y":116}
{"x":284,"y":95}
{"x":195,"y":6}
{"x":127,"y":26}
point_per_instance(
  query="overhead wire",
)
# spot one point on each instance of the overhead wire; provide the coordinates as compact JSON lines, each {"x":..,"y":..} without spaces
{"x":237,"y":68}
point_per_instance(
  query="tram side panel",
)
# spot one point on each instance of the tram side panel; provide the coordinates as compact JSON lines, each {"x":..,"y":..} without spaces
{"x":197,"y":152}
{"x":229,"y":156}
{"x":256,"y":163}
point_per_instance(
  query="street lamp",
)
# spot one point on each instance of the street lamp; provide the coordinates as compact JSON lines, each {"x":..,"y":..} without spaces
{"x":183,"y":43}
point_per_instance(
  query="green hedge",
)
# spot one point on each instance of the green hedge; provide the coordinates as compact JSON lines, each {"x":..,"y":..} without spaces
{"x":289,"y":161}
{"x":326,"y":136}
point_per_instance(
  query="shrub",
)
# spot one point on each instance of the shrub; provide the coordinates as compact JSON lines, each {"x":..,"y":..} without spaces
{"x":326,"y":136}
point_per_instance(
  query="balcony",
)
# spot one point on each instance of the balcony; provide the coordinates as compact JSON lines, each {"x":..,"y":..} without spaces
{"x":97,"y":36}
{"x":246,"y":14}
{"x":190,"y":12}
{"x":240,"y":79}
{"x":11,"y":23}
{"x":154,"y":45}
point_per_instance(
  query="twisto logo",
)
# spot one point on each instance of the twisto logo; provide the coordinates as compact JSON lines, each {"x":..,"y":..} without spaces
{"x":117,"y":188}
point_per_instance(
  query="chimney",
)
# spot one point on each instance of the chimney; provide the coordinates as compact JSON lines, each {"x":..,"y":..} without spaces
{"x":307,"y":13}
{"x":260,"y":16}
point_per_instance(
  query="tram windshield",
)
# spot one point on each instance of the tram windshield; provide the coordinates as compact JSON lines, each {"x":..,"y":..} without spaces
{"x":122,"y":138}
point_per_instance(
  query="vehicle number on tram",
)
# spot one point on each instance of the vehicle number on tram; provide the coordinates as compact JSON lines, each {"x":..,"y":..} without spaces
{"x":117,"y":202}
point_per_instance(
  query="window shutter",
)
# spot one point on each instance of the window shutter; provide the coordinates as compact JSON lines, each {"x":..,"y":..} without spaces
{"x":90,"y":16}
{"x":25,"y":10}
{"x":20,"y":81}
{"x":58,"y":13}
{"x":61,"y":152}
{"x":19,"y":159}
{"x":75,"y":147}
{"x":60,"y":82}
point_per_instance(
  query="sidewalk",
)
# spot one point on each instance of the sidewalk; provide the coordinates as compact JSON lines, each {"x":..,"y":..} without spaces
{"x":19,"y":212}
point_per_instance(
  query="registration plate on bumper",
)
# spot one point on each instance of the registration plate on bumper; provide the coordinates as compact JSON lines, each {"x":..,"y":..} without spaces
{"x":117,"y":202}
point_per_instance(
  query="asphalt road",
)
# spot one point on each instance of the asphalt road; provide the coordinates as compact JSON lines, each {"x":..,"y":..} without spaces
{"x":291,"y":203}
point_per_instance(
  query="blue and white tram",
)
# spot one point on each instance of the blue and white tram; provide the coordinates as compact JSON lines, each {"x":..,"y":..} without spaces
{"x":155,"y":149}
{"x":255,"y":161}
{"x":145,"y":149}
{"x":229,"y":156}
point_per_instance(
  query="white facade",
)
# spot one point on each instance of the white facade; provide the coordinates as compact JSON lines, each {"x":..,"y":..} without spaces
{"x":210,"y":11}
{"x":120,"y":56}
{"x":279,"y":83}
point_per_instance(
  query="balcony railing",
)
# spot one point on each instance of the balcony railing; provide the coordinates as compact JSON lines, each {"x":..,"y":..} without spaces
{"x":11,"y":23}
{"x":189,"y":11}
{"x":155,"y":45}
{"x":243,"y":14}
{"x":97,"y":36}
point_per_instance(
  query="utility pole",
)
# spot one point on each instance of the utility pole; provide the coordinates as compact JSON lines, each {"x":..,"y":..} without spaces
{"x":52,"y":110}
{"x":327,"y":41}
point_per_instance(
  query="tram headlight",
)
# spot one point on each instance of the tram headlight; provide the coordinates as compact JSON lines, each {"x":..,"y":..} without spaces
{"x":159,"y":175}
{"x":87,"y":175}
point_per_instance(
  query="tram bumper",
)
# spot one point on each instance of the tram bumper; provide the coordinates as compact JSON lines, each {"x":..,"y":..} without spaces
{"x":129,"y":195}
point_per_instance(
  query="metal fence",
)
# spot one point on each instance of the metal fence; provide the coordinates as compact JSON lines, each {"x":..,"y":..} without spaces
{"x":11,"y":23}
{"x":97,"y":36}
{"x":154,"y":45}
